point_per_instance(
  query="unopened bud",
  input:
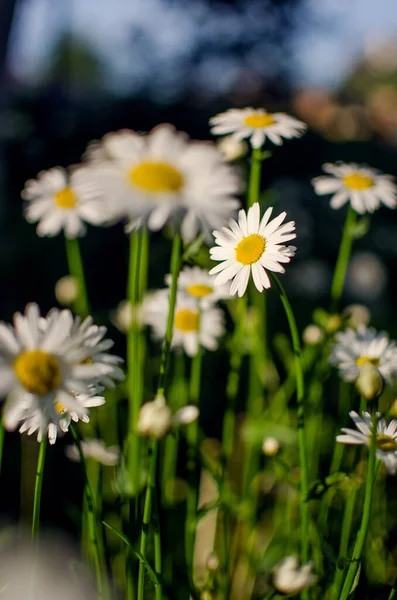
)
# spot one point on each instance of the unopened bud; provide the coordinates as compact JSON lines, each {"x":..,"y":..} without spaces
{"x":231,"y":148}
{"x":289,"y":578}
{"x":356,"y":314}
{"x":155,"y":419}
{"x":313,"y":335}
{"x":66,"y":290}
{"x":270,"y":446}
{"x":369,"y":383}
{"x":334,"y":323}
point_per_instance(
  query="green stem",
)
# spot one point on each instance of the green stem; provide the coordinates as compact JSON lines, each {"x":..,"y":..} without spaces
{"x":362,"y":533}
{"x":300,"y":397}
{"x":38,"y":486}
{"x":91,"y":515}
{"x":342,"y":262}
{"x":345,"y":537}
{"x":393,"y":592}
{"x":76,"y":269}
{"x":254,"y":182}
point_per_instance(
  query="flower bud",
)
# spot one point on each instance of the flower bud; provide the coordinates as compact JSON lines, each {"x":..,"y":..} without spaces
{"x":313,"y":335}
{"x":66,"y":290}
{"x":356,"y":314}
{"x":369,"y":382}
{"x":334,"y":323}
{"x":155,"y":419}
{"x":270,"y":446}
{"x":231,"y":148}
{"x":289,"y":578}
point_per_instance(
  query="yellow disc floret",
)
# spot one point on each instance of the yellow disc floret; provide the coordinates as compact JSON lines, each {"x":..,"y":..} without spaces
{"x":386,"y":443}
{"x":38,"y":371}
{"x":187,"y":320}
{"x":250,"y":249}
{"x":356,"y":181}
{"x":66,"y":199}
{"x":370,"y":360}
{"x":199,"y":290}
{"x":156,"y":177}
{"x":259,"y":121}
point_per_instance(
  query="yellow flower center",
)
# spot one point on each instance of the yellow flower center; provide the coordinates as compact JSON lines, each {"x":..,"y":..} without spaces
{"x":358,"y":182}
{"x":259,"y":121}
{"x":38,"y":371}
{"x":385,"y":443}
{"x":250,"y":249}
{"x":60,"y":408}
{"x":187,"y":320}
{"x":362,"y":360}
{"x":156,"y":177}
{"x":199,"y":290}
{"x":66,"y":198}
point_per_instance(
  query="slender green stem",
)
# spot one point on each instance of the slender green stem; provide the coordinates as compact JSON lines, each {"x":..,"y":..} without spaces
{"x":362,"y":533}
{"x":393,"y":592}
{"x":91,"y":516}
{"x":300,"y":397}
{"x":254,"y":182}
{"x":342,"y":262}
{"x":76,"y":269}
{"x":38,"y":487}
{"x":345,"y":537}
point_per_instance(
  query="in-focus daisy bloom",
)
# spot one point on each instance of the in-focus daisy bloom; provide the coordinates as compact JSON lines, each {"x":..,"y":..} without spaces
{"x":257,"y":124}
{"x":61,"y":200}
{"x":49,"y":369}
{"x":192,"y":327}
{"x":365,"y":188}
{"x":200,"y":285}
{"x":164,"y":175}
{"x":96,"y":449}
{"x":251,"y":246}
{"x":354,"y":348}
{"x":290,"y":578}
{"x":386,"y":437}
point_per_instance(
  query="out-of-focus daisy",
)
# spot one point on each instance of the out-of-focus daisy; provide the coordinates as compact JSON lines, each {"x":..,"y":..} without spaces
{"x":162,"y":174}
{"x":231,"y":148}
{"x":156,"y":419}
{"x":252,"y":245}
{"x":200,"y":285}
{"x":50,"y":365}
{"x":365,"y":188}
{"x":192,"y":326}
{"x":106,"y":455}
{"x":66,"y":290}
{"x":59,"y":199}
{"x":257,"y":124}
{"x":290,"y":578}
{"x":354,"y":348}
{"x":386,"y":437}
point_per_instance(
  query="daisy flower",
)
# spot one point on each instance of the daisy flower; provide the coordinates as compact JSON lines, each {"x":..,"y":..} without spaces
{"x":163,"y":174}
{"x":49,"y":370}
{"x":200,"y":285}
{"x":365,"y":188}
{"x":59,"y":199}
{"x":252,"y":245}
{"x":257,"y":124}
{"x":354,"y":348}
{"x":192,"y":327}
{"x":96,"y":449}
{"x":386,"y":437}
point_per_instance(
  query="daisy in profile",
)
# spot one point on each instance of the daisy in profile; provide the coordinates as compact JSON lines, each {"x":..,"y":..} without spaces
{"x":48,"y":371}
{"x":162,"y":175}
{"x":251,"y":246}
{"x":192,"y":327}
{"x":354,"y":348}
{"x":60,"y":200}
{"x":257,"y":124}
{"x":386,"y":438}
{"x":200,"y":285}
{"x":96,"y":449}
{"x":365,"y":188}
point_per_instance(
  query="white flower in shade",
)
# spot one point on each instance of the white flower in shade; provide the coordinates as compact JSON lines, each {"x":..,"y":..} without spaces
{"x":365,"y":188}
{"x":48,"y":368}
{"x":386,"y":437}
{"x":270,"y":446}
{"x":106,"y":455}
{"x":250,"y":246}
{"x":60,"y":200}
{"x":313,"y":335}
{"x":163,"y":174}
{"x":257,"y":124}
{"x":354,"y":348}
{"x":290,"y":578}
{"x":200,"y":285}
{"x":192,"y":326}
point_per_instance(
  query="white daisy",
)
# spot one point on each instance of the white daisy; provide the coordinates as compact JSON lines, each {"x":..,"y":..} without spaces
{"x":162,"y":174}
{"x":365,"y":188}
{"x":106,"y":455}
{"x":386,"y":437}
{"x":290,"y":578}
{"x":200,"y":285}
{"x":191,"y":326}
{"x":59,"y":199}
{"x":49,"y":365}
{"x":251,"y":246}
{"x":354,"y":348}
{"x":257,"y":124}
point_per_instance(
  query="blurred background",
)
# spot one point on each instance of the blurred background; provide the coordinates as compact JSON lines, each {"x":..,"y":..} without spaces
{"x":73,"y":70}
